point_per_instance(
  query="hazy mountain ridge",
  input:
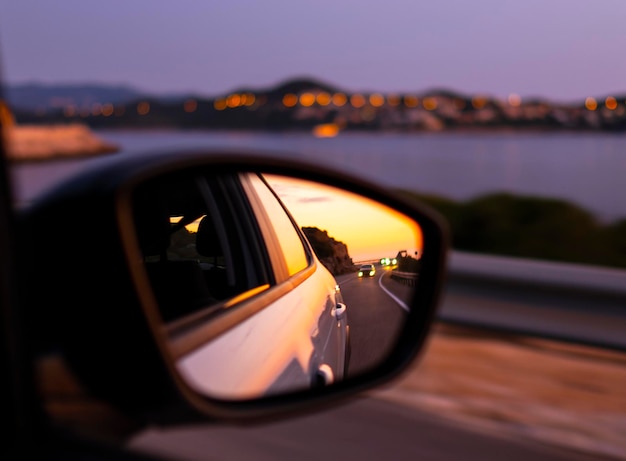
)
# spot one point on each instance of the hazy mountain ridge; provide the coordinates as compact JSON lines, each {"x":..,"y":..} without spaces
{"x":36,"y":96}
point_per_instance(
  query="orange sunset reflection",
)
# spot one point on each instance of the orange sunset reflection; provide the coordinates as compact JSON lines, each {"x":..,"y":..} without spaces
{"x":370,"y":230}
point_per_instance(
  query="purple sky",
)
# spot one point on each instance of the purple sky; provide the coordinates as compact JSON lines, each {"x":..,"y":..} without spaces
{"x":560,"y":49}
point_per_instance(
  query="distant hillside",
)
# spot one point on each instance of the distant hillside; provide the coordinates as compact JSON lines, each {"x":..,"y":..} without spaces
{"x":37,"y":96}
{"x":331,"y":253}
{"x":299,"y":85}
{"x":308,"y":104}
{"x":294,"y":85}
{"x":34,"y":96}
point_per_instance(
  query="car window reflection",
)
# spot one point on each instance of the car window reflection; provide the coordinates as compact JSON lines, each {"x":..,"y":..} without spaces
{"x":289,"y":239}
{"x":197,"y":252}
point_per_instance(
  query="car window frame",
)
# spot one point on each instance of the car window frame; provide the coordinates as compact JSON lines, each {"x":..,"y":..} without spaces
{"x":270,"y":236}
{"x":191,"y":332}
{"x":235,"y":209}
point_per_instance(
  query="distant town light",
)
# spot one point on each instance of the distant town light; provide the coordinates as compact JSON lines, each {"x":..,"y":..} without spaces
{"x":290,"y":100}
{"x":377,"y":99}
{"x":393,"y":100}
{"x":478,"y":102}
{"x":96,"y":109}
{"x":107,"y":109}
{"x":515,"y":100}
{"x":411,"y":101}
{"x":591,"y":103}
{"x":307,"y":99}
{"x":250,"y":99}
{"x":191,"y":105}
{"x":219,"y":104}
{"x":234,"y":100}
{"x":357,"y":100}
{"x":339,"y":99}
{"x":119,"y":110}
{"x":323,"y":99}
{"x":429,"y":103}
{"x":143,"y":108}
{"x":459,"y":103}
{"x":611,"y":103}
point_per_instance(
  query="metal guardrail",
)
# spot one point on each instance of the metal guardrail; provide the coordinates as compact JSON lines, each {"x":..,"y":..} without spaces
{"x":405,"y":278}
{"x":539,"y":273}
{"x":569,"y":302}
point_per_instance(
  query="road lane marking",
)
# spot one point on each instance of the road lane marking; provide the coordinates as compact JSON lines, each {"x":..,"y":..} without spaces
{"x":394,"y":297}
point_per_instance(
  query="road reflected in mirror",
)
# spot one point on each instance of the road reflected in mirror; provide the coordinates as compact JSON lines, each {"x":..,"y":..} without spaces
{"x":373,"y":253}
{"x":268,"y":285}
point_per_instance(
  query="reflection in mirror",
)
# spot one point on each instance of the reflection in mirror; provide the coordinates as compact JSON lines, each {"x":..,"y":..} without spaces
{"x":269,"y":284}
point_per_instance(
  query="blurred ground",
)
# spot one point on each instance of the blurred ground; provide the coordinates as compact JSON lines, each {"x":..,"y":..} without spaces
{"x":517,"y":394}
{"x":560,"y":394}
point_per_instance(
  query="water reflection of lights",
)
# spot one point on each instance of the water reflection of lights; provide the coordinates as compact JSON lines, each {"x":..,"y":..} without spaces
{"x":326,"y":130}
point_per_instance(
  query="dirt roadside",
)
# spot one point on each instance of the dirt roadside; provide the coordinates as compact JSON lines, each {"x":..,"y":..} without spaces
{"x":566,"y":395}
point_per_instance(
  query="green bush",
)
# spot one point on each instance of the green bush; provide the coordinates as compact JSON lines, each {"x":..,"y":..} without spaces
{"x":530,"y":227}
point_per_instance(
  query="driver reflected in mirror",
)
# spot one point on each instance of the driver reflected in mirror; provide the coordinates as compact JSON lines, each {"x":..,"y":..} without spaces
{"x":254,"y":304}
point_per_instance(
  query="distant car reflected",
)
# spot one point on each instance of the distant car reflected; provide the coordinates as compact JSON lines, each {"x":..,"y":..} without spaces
{"x":388,"y":262}
{"x":366,"y":270}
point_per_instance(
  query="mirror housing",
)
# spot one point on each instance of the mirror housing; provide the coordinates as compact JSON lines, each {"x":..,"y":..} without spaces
{"x":87,"y":298}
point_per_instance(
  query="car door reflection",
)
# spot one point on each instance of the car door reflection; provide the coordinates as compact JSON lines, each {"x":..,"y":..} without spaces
{"x":271,"y":321}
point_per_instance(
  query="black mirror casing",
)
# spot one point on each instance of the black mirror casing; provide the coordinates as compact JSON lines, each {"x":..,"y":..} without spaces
{"x":86,"y":296}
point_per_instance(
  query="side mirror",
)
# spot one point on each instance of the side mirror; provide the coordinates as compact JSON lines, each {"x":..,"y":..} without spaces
{"x":233,"y":285}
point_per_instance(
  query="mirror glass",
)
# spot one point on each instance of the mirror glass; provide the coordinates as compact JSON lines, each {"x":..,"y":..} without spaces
{"x":269,"y":284}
